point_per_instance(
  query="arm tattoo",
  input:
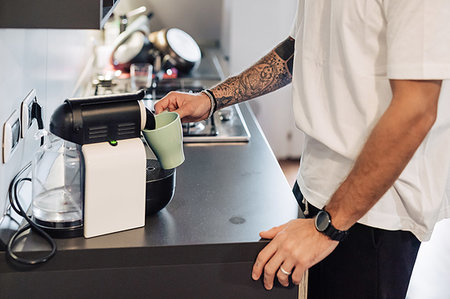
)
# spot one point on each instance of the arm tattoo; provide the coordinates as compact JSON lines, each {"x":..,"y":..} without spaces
{"x":270,"y":73}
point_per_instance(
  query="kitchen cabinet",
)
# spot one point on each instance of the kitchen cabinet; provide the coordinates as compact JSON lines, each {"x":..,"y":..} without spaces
{"x":55,"y":14}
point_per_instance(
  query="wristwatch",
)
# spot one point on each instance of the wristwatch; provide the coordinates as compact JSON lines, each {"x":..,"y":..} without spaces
{"x":323,"y":224}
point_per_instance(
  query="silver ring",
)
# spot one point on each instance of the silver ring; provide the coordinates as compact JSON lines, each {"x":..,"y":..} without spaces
{"x":284,"y":271}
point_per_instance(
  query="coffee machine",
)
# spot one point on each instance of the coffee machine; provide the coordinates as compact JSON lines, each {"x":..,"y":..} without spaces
{"x":101,"y":168}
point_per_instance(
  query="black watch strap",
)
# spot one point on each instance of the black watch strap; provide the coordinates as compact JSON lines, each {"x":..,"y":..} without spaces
{"x":323,"y":224}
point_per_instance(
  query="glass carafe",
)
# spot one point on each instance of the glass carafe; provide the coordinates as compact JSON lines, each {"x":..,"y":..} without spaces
{"x":58,"y":187}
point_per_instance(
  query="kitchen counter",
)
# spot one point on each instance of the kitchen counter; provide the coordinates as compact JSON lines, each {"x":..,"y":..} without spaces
{"x":202,"y":245}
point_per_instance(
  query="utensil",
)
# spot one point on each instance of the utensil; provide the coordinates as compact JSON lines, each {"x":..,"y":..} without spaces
{"x":141,"y":76}
{"x":133,"y":45}
{"x":166,"y":140}
{"x":178,"y":49}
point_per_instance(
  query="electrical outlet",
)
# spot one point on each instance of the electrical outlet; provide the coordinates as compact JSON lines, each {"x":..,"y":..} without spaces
{"x":11,"y":135}
{"x":25,"y":112}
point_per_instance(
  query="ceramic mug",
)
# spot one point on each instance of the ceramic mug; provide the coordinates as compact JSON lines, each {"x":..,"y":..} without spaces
{"x":166,"y":140}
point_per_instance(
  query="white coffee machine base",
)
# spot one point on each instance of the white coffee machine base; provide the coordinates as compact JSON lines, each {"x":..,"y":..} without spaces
{"x":115,"y":186}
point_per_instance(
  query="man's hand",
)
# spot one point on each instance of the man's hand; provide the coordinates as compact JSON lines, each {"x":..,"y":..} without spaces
{"x":191,"y":107}
{"x":296,"y":246}
{"x":270,"y":73}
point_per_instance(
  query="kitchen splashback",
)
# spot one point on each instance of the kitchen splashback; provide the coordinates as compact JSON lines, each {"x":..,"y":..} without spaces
{"x":49,"y":61}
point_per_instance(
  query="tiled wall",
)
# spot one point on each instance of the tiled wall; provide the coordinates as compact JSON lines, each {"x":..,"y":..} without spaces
{"x":49,"y":61}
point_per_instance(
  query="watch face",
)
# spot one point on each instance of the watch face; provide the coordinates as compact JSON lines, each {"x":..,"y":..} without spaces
{"x":322,"y":221}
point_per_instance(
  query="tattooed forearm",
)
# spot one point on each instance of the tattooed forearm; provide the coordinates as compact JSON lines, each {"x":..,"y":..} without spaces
{"x":272,"y":72}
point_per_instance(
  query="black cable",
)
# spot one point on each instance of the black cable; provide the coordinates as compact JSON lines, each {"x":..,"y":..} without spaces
{"x":36,"y":113}
{"x":11,"y":188}
{"x":14,"y":199}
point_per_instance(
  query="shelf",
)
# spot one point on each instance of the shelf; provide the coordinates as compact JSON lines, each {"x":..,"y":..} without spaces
{"x":55,"y":14}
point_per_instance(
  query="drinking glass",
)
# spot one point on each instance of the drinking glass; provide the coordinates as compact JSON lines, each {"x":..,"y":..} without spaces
{"x":141,"y":75}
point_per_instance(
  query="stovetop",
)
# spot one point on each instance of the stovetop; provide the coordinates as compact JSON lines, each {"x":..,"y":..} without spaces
{"x":226,"y":125}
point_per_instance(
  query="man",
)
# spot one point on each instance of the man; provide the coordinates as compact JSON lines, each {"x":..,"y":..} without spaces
{"x":367,"y":79}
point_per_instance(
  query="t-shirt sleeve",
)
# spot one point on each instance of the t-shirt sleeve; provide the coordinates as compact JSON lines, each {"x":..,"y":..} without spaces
{"x":295,"y":24}
{"x":418,"y":39}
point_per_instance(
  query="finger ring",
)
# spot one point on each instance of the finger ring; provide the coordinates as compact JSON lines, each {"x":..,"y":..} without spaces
{"x":284,"y":271}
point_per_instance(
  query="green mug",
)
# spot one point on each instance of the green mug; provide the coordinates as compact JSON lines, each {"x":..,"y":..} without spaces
{"x":166,"y":140}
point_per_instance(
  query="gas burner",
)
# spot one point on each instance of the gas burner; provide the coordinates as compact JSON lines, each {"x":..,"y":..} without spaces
{"x":193,"y":128}
{"x":203,"y":128}
{"x":103,"y":85}
{"x":221,"y":127}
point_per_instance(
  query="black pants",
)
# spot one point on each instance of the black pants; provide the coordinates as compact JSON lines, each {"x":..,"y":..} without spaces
{"x":369,"y":263}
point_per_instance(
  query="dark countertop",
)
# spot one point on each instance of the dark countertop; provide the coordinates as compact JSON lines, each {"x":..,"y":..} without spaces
{"x":225,"y":195}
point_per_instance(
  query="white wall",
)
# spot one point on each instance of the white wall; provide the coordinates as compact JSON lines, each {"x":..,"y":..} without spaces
{"x":49,"y":61}
{"x":251,"y":28}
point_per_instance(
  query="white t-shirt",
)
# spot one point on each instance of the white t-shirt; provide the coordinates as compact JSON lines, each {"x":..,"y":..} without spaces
{"x":345,"y":53}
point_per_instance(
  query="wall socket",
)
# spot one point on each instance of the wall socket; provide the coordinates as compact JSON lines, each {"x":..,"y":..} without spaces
{"x":11,"y":135}
{"x":25,"y":111}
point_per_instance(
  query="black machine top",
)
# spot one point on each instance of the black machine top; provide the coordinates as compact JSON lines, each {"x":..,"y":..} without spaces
{"x":100,"y":118}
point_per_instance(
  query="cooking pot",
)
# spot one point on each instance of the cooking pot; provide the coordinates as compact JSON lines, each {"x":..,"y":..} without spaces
{"x":178,"y":49}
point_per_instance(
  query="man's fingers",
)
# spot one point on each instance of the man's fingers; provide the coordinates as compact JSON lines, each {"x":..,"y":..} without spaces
{"x":168,"y":102}
{"x":295,"y":247}
{"x":190,"y":107}
{"x":181,"y":113}
{"x":266,"y":261}
{"x":162,"y":105}
{"x":297,"y":275}
{"x":284,"y":272}
{"x":270,"y":269}
{"x":271,"y":233}
{"x":261,"y":260}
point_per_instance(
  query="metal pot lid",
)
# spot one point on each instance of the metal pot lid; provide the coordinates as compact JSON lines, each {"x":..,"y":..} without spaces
{"x":183,"y":45}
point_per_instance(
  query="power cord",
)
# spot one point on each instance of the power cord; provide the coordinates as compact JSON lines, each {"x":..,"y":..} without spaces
{"x":15,"y":204}
{"x":36,"y":113}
